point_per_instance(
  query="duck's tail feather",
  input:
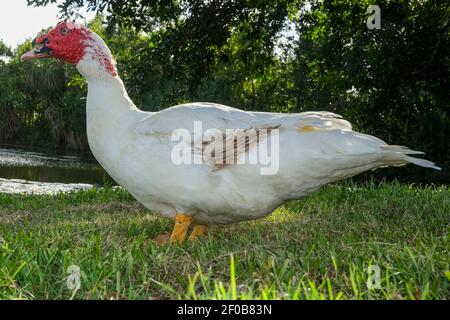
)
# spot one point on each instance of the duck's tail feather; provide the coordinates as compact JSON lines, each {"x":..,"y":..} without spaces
{"x":352,"y":153}
{"x":422,"y":163}
{"x":399,"y":155}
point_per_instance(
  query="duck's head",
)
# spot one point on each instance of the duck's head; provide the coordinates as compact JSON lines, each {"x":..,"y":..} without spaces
{"x":75,"y":44}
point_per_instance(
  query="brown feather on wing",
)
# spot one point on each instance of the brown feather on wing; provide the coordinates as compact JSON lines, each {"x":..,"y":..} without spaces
{"x":224,"y":148}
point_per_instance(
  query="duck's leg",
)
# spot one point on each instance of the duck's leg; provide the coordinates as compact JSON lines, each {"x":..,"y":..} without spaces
{"x":182,"y":223}
{"x":198,"y":231}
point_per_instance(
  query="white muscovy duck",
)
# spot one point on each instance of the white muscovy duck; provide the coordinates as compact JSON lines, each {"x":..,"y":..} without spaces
{"x":137,"y":148}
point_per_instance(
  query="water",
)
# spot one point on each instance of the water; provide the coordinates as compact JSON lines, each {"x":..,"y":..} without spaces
{"x":29,"y":170}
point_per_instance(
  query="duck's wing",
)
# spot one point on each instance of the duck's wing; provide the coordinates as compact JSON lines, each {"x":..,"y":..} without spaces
{"x":222,"y":135}
{"x":216,"y":116}
{"x":223,"y":147}
{"x":305,"y":121}
{"x":225,"y":134}
{"x":203,"y":114}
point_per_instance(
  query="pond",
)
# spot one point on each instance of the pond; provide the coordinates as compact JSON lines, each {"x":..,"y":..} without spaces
{"x":32,"y":170}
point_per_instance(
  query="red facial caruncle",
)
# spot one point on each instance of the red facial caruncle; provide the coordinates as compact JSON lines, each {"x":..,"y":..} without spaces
{"x":69,"y":41}
{"x":66,"y":41}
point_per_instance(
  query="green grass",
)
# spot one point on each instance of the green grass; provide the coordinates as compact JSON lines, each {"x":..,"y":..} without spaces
{"x":317,"y":248}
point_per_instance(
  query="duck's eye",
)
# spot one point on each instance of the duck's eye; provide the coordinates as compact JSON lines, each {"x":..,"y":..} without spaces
{"x":64,"y":31}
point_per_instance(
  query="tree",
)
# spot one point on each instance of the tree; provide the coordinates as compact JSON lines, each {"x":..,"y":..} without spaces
{"x":190,"y":30}
{"x":5,"y":51}
{"x":392,"y":82}
{"x":10,"y":123}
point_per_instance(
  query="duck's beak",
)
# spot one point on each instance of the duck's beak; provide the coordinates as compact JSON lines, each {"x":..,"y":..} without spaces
{"x":40,"y":52}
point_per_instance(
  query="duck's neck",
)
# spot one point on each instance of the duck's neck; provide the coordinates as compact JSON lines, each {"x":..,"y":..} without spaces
{"x":107,"y":96}
{"x":110,"y":113}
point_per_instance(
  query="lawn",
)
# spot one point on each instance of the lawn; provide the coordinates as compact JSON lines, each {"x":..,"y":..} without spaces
{"x":328,"y":246}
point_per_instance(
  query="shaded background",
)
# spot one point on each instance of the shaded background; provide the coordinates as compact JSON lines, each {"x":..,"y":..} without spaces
{"x":280,"y":56}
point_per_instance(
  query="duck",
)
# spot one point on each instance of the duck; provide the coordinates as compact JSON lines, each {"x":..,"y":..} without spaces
{"x":204,"y":164}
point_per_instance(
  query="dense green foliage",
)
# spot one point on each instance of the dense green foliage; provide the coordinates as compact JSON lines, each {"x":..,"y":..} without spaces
{"x":278,"y":55}
{"x":317,"y":248}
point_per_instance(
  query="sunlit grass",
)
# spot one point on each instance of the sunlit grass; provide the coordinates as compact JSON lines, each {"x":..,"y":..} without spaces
{"x":317,"y":248}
